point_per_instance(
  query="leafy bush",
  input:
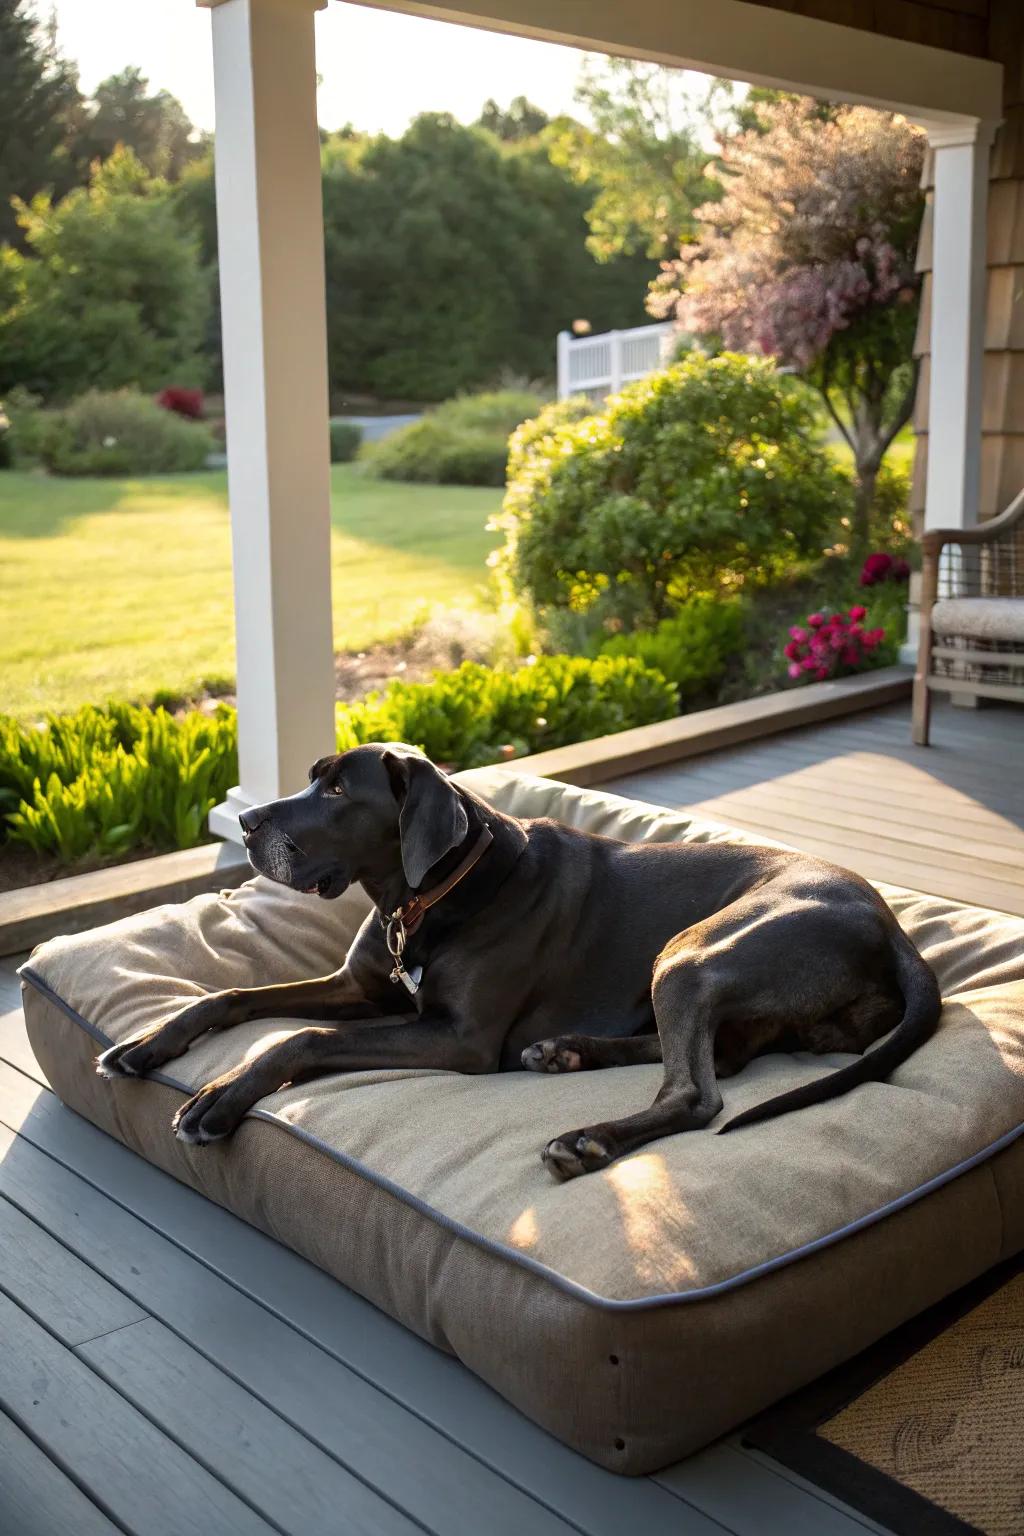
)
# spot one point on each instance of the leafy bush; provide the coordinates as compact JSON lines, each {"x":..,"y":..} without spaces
{"x":101,"y":782}
{"x":692,"y":648}
{"x":463,"y":442}
{"x":26,"y":430}
{"x":475,"y":715}
{"x":346,"y":438}
{"x":694,"y":479}
{"x":122,"y":433}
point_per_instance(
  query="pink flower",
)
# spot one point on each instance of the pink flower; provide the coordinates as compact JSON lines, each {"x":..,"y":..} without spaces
{"x":809,"y":664}
{"x":858,"y":613}
{"x":794,"y":669}
{"x":849,"y":656}
{"x":791,"y":650}
{"x":821,"y":674}
{"x":872,"y":637}
{"x":815,"y":620}
{"x":798,"y":634}
{"x":835,"y":620}
{"x":837,"y":640}
{"x":875,"y":568}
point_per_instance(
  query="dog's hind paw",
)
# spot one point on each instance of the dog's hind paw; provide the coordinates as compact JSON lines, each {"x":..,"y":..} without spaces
{"x":578,"y":1152}
{"x":552,"y":1056}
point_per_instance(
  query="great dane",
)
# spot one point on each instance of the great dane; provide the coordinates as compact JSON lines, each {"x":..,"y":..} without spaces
{"x":497,"y":943}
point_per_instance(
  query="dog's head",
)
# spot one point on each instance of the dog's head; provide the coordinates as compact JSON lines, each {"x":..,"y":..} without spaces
{"x":370,"y":813}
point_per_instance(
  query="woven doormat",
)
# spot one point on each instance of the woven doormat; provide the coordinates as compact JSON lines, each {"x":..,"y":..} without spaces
{"x":924,"y":1432}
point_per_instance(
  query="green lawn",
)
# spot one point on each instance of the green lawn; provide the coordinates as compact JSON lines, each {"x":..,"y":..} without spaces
{"x":118,"y":588}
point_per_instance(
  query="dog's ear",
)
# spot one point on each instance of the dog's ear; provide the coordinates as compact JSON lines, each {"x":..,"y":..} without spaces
{"x":433,"y":818}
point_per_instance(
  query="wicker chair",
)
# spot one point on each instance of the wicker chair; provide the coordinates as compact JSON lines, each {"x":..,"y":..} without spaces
{"x":972,"y":614}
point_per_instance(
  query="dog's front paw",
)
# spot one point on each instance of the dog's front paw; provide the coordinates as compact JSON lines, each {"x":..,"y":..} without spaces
{"x":552,"y":1056}
{"x":213,"y":1113}
{"x":132,"y":1058}
{"x":575,"y":1153}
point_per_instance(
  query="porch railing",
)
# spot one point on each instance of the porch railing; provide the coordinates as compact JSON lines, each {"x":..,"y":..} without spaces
{"x":589,"y":365}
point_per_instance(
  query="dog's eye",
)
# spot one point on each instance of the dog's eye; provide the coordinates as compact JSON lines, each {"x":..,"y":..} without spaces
{"x":337,"y":789}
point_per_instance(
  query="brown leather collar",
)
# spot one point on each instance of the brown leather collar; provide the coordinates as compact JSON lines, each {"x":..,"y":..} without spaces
{"x":412,"y":913}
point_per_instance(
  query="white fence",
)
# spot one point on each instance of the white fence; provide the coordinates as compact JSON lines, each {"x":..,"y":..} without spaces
{"x":602,"y":364}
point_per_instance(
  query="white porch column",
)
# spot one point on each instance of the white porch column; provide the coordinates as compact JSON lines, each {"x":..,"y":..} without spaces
{"x":960,"y":195}
{"x":271,"y":244}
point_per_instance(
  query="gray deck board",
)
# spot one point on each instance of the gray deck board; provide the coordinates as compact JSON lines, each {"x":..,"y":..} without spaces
{"x":948,"y":819}
{"x":53,"y":1287}
{"x":253,"y":1451}
{"x":146,"y":1482}
{"x":37,"y":1498}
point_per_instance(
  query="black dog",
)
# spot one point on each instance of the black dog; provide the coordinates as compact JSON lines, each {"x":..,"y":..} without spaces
{"x":494,"y":937}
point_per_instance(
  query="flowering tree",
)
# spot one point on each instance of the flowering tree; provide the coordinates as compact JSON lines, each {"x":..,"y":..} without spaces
{"x":809,"y":257}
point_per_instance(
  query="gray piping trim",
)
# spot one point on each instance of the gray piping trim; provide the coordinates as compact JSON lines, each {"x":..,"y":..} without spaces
{"x":512,"y":1255}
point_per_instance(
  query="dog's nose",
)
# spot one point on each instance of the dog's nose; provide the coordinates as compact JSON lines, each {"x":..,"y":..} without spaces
{"x":251,"y":819}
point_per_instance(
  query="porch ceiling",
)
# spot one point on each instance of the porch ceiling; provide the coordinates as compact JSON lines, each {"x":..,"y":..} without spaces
{"x":746,"y":42}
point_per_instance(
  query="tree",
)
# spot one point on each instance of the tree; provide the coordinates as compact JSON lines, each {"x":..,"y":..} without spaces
{"x":453,"y":257}
{"x":642,"y":157}
{"x":155,"y":127}
{"x":39,"y":98}
{"x":518,"y":121}
{"x":110,"y":292}
{"x":809,"y":258}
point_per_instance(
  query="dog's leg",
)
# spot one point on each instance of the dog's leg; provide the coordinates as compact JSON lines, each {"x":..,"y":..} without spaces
{"x":588,"y":1053}
{"x":216,"y":1110}
{"x":327,"y":997}
{"x":687,"y":1100}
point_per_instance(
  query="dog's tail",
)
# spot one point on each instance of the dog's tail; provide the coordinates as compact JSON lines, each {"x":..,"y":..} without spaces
{"x":922,"y":1006}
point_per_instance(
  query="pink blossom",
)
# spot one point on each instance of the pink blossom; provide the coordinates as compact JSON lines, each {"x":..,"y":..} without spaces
{"x":876,"y":568}
{"x":850,"y":656}
{"x":821,"y":674}
{"x":857,"y":613}
{"x":794,"y":669}
{"x":798,"y":634}
{"x":791,"y":650}
{"x":815,"y":620}
{"x":809,"y":664}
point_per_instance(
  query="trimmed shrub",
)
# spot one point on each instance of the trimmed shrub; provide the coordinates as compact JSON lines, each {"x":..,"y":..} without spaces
{"x":699,"y":477}
{"x":477,"y":715}
{"x":27,"y":428}
{"x":463,"y":442}
{"x":692,"y":648}
{"x":122,"y":433}
{"x":346,"y":439}
{"x":102,"y":782}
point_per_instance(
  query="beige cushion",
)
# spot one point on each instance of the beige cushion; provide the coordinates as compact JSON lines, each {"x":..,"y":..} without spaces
{"x":981,"y":618}
{"x":425,"y":1190}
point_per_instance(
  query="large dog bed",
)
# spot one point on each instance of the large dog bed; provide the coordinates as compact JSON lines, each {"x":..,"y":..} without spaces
{"x":641,"y":1311}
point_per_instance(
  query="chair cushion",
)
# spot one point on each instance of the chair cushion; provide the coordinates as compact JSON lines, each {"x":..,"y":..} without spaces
{"x":642,"y":1310}
{"x":982,"y":618}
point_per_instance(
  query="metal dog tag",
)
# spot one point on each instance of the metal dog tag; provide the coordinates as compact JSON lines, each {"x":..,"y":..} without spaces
{"x":395,"y":937}
{"x":410,"y":979}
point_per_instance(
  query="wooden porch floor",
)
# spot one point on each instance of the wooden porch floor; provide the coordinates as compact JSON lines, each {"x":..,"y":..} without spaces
{"x":948,"y":818}
{"x":166,"y":1367}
